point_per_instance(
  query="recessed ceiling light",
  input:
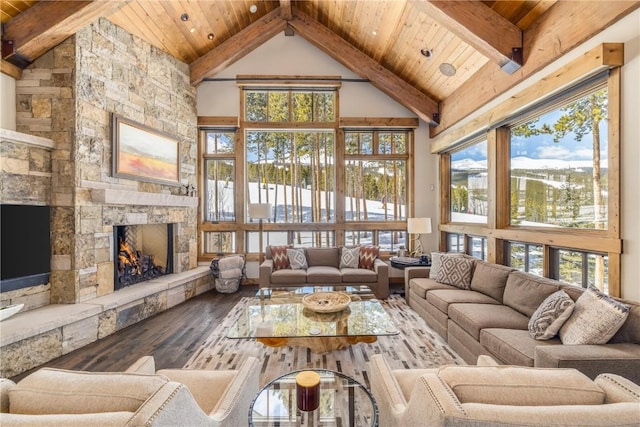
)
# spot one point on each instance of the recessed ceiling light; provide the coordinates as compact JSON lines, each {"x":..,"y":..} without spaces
{"x":193,"y":29}
{"x":374,"y":32}
{"x":210,"y":36}
{"x":447,"y":69}
{"x":184,"y":17}
{"x":253,"y":8}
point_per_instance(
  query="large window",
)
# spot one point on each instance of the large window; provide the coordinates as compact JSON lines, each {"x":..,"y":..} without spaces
{"x":559,"y":169}
{"x":220,"y":174}
{"x":469,"y":183}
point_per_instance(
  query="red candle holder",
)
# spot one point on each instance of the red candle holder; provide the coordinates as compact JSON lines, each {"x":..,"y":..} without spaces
{"x":308,"y":390}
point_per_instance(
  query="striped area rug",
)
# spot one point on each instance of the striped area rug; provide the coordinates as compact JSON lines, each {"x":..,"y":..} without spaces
{"x":417,"y":346}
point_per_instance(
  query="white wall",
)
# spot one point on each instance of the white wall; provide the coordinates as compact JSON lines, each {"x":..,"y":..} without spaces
{"x":7,"y":102}
{"x":626,"y":31}
{"x":294,"y":56}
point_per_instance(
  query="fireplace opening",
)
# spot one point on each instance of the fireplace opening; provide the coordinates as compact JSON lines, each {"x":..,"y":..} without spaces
{"x":142,"y":252}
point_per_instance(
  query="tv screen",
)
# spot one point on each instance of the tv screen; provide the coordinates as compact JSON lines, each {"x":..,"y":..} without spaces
{"x":25,"y":241}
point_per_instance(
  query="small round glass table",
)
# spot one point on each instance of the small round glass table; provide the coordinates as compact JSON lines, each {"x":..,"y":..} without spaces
{"x":343,"y":402}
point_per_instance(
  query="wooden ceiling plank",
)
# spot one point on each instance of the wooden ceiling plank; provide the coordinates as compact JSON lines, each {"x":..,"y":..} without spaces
{"x":536,"y":12}
{"x":544,"y":42}
{"x":237,"y":46}
{"x":477,"y":25}
{"x":46,"y":24}
{"x":363,"y":65}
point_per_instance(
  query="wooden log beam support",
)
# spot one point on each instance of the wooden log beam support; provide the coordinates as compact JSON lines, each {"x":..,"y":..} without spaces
{"x":46,"y":24}
{"x":544,"y":41}
{"x":10,"y":70}
{"x":285,"y":10}
{"x":363,"y":65}
{"x":237,"y":46}
{"x":483,"y":29}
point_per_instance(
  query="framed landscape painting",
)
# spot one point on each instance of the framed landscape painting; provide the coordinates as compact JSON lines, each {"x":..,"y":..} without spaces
{"x":145,"y":154}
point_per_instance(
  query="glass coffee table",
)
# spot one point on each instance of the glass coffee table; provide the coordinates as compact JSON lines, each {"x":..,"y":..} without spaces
{"x":343,"y":402}
{"x":277,"y":317}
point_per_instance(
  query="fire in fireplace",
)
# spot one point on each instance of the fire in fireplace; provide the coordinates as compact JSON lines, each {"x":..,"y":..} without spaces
{"x":142,"y":252}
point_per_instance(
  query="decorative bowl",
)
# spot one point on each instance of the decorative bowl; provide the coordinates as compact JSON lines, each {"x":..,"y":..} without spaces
{"x":9,"y":310}
{"x":326,"y":302}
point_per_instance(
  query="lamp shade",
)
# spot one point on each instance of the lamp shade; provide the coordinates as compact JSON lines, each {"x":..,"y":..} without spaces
{"x":419,"y":225}
{"x":260,"y":210}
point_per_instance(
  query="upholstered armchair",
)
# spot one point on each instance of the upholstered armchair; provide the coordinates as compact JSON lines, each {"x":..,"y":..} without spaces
{"x":137,"y":397}
{"x":501,"y":396}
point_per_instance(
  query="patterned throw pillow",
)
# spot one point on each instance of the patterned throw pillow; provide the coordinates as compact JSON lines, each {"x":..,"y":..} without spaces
{"x":596,"y":318}
{"x":435,"y":262}
{"x":367,"y":258}
{"x":350,"y":257}
{"x":549,"y":317}
{"x":280,"y":258}
{"x":297,"y":259}
{"x":455,"y":271}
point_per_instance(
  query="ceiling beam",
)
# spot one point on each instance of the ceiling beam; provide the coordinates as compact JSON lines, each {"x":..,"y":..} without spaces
{"x":10,"y":70}
{"x":237,"y":46}
{"x":363,"y":65}
{"x":285,"y":10}
{"x":483,"y":29}
{"x":544,"y":41}
{"x":48,"y":23}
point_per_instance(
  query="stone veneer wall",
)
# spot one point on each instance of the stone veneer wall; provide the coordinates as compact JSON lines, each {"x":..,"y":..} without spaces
{"x":69,"y":95}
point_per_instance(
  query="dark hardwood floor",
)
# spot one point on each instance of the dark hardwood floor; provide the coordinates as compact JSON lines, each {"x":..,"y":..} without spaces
{"x":171,"y":336}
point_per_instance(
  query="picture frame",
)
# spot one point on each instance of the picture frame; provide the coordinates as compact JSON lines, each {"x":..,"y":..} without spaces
{"x":143,"y":153}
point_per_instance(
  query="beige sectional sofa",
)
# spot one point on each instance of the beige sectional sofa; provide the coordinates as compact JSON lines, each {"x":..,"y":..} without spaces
{"x":492,"y":318}
{"x":323,"y":268}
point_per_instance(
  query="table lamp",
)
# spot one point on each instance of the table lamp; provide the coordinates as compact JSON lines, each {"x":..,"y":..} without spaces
{"x":418,"y":226}
{"x":260,"y":211}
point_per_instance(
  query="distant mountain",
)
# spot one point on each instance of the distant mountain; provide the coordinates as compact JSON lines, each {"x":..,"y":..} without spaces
{"x":529,"y":164}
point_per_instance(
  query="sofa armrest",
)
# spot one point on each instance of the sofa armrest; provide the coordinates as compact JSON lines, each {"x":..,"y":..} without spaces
{"x":414,"y":273}
{"x":144,"y":365}
{"x":171,"y":405}
{"x":618,"y":389}
{"x":382,"y":270}
{"x":620,"y":358}
{"x":266,"y":268}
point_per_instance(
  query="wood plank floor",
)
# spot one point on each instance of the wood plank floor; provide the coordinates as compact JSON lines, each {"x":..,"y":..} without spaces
{"x":171,"y":336}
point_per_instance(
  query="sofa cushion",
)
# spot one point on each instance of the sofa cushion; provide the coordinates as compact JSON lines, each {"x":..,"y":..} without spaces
{"x":297,"y":259}
{"x":105,"y":419}
{"x":324,"y":257}
{"x":441,"y":298}
{"x":490,"y":279}
{"x":525,"y":292}
{"x":289,"y":277}
{"x":550,"y":316}
{"x":323,"y":275}
{"x":358,"y":275}
{"x":280,"y":258}
{"x":6,"y":385}
{"x":519,"y":386}
{"x":368,"y":255}
{"x":472,"y":318}
{"x":455,"y":271}
{"x":57,"y":391}
{"x":513,"y":346}
{"x":421,"y":286}
{"x":349,"y":257}
{"x":595,"y":319}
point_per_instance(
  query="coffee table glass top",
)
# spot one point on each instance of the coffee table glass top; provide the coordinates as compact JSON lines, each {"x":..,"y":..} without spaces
{"x":279,"y":313}
{"x":343,"y":402}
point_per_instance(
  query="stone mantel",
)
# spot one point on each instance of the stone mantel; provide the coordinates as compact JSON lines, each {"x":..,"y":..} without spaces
{"x":121,"y":197}
{"x":13,"y":136}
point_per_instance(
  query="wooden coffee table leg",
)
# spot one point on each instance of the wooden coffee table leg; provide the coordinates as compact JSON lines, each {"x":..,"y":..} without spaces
{"x":318,"y":344}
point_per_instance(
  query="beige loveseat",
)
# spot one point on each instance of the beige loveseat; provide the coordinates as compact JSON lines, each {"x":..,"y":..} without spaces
{"x":138,"y":397}
{"x":323,"y":268}
{"x":493,"y":396}
{"x":492,"y":318}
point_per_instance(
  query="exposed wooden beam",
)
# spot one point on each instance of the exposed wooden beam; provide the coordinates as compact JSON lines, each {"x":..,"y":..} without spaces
{"x":10,"y":70}
{"x":546,"y":40}
{"x":237,"y":46}
{"x":46,"y":24}
{"x":358,"y":62}
{"x":483,"y":29}
{"x":285,"y":10}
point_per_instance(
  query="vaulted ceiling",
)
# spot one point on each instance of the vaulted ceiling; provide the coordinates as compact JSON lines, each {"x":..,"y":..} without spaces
{"x":400,"y":45}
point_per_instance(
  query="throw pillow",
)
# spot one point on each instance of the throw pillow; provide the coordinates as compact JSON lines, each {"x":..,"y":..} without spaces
{"x":279,"y":257}
{"x":435,"y":262}
{"x":549,"y":317}
{"x":297,"y":259}
{"x":367,"y":258}
{"x":455,"y":271}
{"x":596,"y":318}
{"x":350,"y":257}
